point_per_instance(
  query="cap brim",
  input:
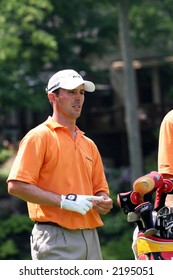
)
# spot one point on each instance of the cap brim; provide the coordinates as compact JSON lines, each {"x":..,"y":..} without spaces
{"x":71,"y":84}
{"x":89,"y":86}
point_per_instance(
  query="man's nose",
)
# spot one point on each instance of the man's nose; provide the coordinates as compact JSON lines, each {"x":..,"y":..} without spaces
{"x":77,"y":95}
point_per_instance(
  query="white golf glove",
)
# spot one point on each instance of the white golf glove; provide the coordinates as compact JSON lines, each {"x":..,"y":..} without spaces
{"x":78,"y":203}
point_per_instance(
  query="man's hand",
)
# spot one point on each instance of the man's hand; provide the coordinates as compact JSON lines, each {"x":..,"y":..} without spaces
{"x":78,"y":203}
{"x":104,"y":205}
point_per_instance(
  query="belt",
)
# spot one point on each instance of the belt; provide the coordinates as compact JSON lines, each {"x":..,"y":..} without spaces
{"x":56,"y":225}
{"x":48,"y":223}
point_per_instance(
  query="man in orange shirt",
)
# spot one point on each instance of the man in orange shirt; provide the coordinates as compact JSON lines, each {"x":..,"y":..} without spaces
{"x":165,"y":152}
{"x":58,"y":171}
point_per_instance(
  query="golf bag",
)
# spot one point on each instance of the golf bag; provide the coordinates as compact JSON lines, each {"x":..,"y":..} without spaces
{"x":153,"y":235}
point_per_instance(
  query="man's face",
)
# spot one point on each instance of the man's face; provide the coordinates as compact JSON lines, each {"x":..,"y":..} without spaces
{"x":69,"y":102}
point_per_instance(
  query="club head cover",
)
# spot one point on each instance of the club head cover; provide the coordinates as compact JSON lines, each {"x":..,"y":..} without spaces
{"x":158,"y":178}
{"x":144,"y":210}
{"x":143,"y":185}
{"x":147,"y":184}
{"x":161,"y":193}
{"x":128,"y":201}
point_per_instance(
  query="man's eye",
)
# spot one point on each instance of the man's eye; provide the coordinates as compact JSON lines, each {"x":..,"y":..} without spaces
{"x":74,"y":92}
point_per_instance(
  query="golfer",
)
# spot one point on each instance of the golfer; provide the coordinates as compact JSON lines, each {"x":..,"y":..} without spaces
{"x":58,"y":171}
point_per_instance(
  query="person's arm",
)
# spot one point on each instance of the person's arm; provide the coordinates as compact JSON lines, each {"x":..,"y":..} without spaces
{"x":33,"y":194}
{"x":165,"y":160}
{"x":105,"y":205}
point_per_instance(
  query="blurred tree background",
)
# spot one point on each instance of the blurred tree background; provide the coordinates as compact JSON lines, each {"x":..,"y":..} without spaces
{"x":38,"y":38}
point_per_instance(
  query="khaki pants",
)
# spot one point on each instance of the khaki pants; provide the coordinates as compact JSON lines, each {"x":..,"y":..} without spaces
{"x":50,"y":242}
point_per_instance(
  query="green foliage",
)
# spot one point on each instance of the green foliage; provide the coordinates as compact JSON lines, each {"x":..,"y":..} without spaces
{"x":150,"y":162}
{"x":90,"y":33}
{"x":8,"y":249}
{"x":20,"y":22}
{"x":151,"y":24}
{"x":26,"y":46}
{"x":14,"y":238}
{"x":15,"y":227}
{"x":119,"y":248}
{"x":116,"y":236}
{"x":5,"y":154}
{"x":3,"y":185}
{"x":41,"y":37}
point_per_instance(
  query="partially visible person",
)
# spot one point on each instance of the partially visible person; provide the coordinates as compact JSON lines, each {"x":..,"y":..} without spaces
{"x":165,"y":163}
{"x":58,"y":171}
{"x":165,"y":152}
{"x":165,"y":168}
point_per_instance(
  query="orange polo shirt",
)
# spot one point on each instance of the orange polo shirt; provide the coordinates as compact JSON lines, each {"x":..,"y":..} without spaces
{"x":49,"y":158}
{"x":165,"y":151}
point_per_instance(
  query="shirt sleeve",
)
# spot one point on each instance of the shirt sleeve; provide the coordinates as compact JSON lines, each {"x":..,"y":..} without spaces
{"x":165,"y":148}
{"x":29,"y":159}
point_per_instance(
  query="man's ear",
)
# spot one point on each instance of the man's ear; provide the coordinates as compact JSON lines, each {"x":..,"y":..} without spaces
{"x":51,"y":97}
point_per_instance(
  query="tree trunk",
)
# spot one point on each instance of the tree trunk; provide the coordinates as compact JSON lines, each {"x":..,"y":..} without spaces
{"x":130,"y":94}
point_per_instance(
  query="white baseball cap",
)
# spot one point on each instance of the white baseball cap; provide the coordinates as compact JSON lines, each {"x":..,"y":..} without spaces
{"x":68,"y":79}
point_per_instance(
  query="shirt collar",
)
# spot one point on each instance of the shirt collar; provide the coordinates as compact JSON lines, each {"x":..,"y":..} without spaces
{"x":52,"y":124}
